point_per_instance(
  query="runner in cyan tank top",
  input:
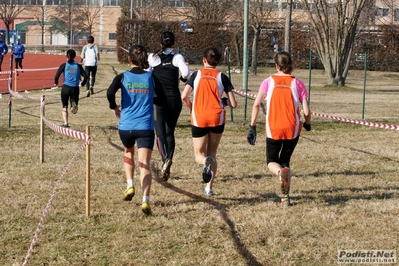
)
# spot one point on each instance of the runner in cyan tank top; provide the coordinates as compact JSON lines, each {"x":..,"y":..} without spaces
{"x":136,"y":120}
{"x":70,"y":89}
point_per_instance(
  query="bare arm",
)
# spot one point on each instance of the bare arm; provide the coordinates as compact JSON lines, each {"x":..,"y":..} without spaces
{"x":256,"y":107}
{"x":232,"y":100}
{"x":306,"y":111}
{"x":185,"y":96}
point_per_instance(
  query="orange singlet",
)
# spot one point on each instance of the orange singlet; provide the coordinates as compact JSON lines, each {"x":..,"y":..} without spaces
{"x":207,"y":110}
{"x":282,"y":118}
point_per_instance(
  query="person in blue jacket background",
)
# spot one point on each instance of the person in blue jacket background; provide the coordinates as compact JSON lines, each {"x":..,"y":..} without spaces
{"x":3,"y":50}
{"x":18,"y":51}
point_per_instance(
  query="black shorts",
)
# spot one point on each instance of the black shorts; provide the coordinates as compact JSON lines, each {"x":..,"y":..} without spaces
{"x":144,"y":138}
{"x":69,"y":93}
{"x":198,"y":132}
{"x":280,"y":151}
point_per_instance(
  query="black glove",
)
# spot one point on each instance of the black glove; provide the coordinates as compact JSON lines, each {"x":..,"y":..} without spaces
{"x":183,"y":79}
{"x":224,"y":101}
{"x":307,"y":126}
{"x":251,"y":137}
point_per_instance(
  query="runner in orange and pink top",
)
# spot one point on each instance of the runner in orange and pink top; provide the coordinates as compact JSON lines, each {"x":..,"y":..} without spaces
{"x":207,"y":112}
{"x":283,"y":93}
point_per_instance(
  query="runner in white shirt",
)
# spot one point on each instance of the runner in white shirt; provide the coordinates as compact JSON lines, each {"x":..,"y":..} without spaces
{"x":90,"y":57}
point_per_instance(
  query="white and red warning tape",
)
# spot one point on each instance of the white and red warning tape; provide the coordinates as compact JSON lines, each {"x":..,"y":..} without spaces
{"x":64,"y":131}
{"x":244,"y":93}
{"x":359,"y":122}
{"x":353,"y":121}
{"x":39,"y":226}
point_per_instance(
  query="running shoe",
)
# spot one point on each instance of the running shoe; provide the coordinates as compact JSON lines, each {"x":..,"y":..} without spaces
{"x":91,"y":90}
{"x":208,"y":192}
{"x":206,"y":172}
{"x":65,"y":125}
{"x":145,"y":207}
{"x":165,"y":172}
{"x":129,"y":193}
{"x":88,"y":93}
{"x":283,"y":177}
{"x":285,"y":201}
{"x":74,"y":108}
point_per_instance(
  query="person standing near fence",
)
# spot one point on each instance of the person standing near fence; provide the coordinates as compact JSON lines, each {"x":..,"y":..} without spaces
{"x":166,"y":65}
{"x":3,"y":50}
{"x":208,"y":115}
{"x":283,"y":93}
{"x":90,"y":56}
{"x":72,"y":72}
{"x":18,"y":51}
{"x":136,"y":119}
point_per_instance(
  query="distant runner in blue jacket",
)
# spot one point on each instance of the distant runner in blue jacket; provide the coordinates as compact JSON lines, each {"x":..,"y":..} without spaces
{"x":18,"y":50}
{"x":3,"y":50}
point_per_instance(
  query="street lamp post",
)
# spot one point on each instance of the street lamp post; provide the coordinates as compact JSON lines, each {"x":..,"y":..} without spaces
{"x":71,"y":37}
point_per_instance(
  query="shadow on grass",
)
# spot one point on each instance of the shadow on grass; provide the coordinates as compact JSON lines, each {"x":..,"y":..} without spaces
{"x":242,"y":249}
{"x":357,"y":150}
{"x":351,"y":193}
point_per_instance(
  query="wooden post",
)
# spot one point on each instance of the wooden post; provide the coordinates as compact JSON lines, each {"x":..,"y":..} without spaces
{"x":15,"y":83}
{"x":88,"y":174}
{"x":42,"y":103}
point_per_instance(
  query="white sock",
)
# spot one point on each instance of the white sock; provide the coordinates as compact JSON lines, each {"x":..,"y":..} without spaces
{"x":130,"y":183}
{"x":146,"y":198}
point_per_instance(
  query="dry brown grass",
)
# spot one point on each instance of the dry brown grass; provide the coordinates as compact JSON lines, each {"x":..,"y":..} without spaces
{"x":344,"y":188}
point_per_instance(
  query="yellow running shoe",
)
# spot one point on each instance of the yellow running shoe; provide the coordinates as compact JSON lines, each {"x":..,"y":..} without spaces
{"x":129,"y":193}
{"x":283,"y":176}
{"x":145,"y":207}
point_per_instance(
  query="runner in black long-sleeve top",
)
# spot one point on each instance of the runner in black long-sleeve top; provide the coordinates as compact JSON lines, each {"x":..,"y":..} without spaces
{"x":166,"y":65}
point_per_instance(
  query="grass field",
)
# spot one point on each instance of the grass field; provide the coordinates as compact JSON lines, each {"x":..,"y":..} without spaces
{"x":344,"y":186}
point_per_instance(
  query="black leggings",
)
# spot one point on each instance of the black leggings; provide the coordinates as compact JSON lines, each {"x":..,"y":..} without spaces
{"x":93,"y":71}
{"x":165,"y":124}
{"x":18,"y":62}
{"x":280,"y":151}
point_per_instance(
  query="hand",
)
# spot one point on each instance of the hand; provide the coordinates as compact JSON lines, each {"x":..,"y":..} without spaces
{"x":307,"y":126}
{"x":224,"y":101}
{"x":251,"y":137}
{"x":117,"y":112}
{"x":183,"y":79}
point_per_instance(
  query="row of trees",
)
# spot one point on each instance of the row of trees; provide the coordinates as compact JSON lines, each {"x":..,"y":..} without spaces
{"x":72,"y":17}
{"x":331,"y":26}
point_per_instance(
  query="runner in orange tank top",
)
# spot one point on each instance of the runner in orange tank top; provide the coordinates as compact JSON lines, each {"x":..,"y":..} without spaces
{"x":283,"y":93}
{"x":207,"y":112}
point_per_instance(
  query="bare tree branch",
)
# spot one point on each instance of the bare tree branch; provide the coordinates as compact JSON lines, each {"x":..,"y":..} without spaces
{"x":9,"y":10}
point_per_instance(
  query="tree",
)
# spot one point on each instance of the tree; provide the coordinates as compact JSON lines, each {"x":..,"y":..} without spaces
{"x":334,"y":29}
{"x":208,"y":10}
{"x":287,"y":30}
{"x":69,"y":19}
{"x":39,"y":13}
{"x":89,"y":14}
{"x":9,"y":10}
{"x":260,"y":15}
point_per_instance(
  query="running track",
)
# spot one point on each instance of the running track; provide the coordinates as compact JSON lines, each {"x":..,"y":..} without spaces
{"x":35,"y":77}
